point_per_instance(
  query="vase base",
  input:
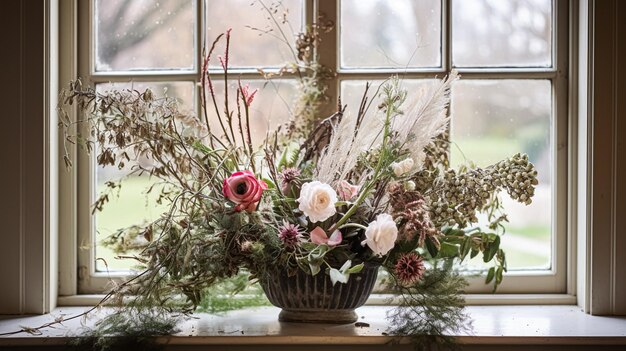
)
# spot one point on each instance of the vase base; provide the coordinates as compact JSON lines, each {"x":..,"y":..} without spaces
{"x":318,"y":316}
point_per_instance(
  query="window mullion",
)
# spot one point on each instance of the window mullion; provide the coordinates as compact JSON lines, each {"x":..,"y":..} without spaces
{"x":446,"y":35}
{"x":466,"y":75}
{"x":132,"y":77}
{"x":513,"y":74}
{"x":328,"y":50}
{"x":200,"y":39}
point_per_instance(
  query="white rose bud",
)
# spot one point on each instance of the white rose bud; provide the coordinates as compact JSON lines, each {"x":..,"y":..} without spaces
{"x":381,"y":234}
{"x":402,"y":167}
{"x":317,"y":201}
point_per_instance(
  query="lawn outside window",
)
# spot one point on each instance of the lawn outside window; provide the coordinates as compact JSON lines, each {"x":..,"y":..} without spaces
{"x":512,"y":97}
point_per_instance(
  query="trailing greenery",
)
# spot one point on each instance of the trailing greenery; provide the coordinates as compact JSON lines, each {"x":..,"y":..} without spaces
{"x":134,"y":328}
{"x":432,"y":309}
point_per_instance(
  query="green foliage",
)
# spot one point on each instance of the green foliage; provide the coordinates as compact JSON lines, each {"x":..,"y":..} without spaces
{"x":131,"y":328}
{"x":463,"y":242}
{"x":431,"y":310}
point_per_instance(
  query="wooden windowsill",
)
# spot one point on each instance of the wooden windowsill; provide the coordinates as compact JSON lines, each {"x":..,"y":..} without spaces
{"x":492,"y":325}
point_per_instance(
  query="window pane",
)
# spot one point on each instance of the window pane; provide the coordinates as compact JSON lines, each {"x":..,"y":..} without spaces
{"x":256,"y":38}
{"x":134,"y":205}
{"x":270,"y":108}
{"x":380,"y":33}
{"x":502,"y":33}
{"x":352,"y":92}
{"x":492,"y":120}
{"x":144,"y":34}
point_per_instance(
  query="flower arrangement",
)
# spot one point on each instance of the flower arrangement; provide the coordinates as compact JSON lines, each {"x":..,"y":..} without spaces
{"x":330,"y":199}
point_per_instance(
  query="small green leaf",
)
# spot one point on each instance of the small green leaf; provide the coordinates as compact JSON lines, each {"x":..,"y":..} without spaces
{"x":303,"y":263}
{"x":318,"y":253}
{"x":454,"y":239}
{"x":490,"y":275}
{"x":456,"y":232}
{"x":270,"y":183}
{"x":315,"y":268}
{"x":198,"y":146}
{"x":448,"y":250}
{"x":465,"y":248}
{"x":355,"y":269}
{"x":474,"y":252}
{"x":431,"y":247}
{"x":499,"y":275}
{"x":308,"y":246}
{"x":492,"y":249}
{"x":282,"y":163}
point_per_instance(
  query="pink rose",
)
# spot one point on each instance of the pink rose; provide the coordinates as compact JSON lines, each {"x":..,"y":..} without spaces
{"x":319,"y":237}
{"x":244,"y":189}
{"x":346,"y":190}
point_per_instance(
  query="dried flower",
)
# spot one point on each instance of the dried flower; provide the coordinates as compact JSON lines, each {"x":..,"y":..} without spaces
{"x":246,"y":246}
{"x":290,"y":234}
{"x":460,"y":194}
{"x":409,"y":268}
{"x":409,"y":209}
{"x":247,"y":95}
{"x":287,"y":176}
{"x":224,"y":60}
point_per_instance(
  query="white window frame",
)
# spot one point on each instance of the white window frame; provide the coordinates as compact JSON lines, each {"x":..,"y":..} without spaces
{"x":549,"y":287}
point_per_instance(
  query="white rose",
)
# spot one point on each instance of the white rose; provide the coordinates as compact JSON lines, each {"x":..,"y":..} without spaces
{"x":317,"y":201}
{"x":402,"y":167}
{"x":381,"y":234}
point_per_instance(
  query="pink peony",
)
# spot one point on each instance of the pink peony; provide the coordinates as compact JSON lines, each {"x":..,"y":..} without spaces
{"x":244,"y":189}
{"x":319,"y":237}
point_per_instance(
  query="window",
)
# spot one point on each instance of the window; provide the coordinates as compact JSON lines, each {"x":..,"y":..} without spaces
{"x":512,"y":96}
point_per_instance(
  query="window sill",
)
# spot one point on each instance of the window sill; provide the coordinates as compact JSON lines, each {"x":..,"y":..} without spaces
{"x":384,"y":299}
{"x":492,"y":325}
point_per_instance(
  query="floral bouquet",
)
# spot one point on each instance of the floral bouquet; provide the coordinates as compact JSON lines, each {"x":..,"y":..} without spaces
{"x":312,"y":213}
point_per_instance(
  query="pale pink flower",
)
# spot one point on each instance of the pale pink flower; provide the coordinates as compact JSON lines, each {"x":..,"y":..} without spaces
{"x":317,"y":201}
{"x":347,"y":191}
{"x":381,"y":234}
{"x":319,"y":236}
